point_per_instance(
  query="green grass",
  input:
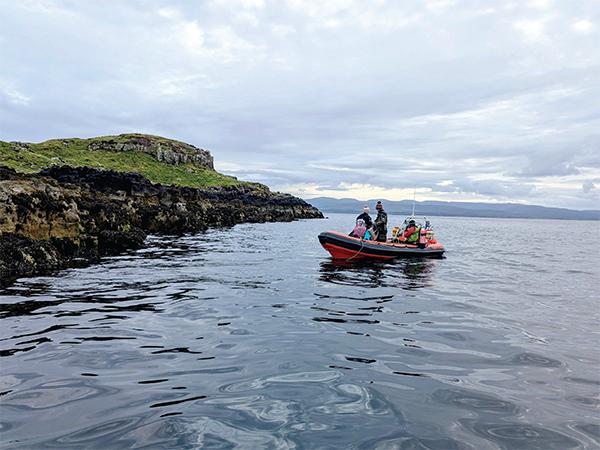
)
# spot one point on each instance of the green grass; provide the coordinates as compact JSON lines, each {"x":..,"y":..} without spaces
{"x":75,"y":153}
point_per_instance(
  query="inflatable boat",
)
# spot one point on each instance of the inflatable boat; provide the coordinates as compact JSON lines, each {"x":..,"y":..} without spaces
{"x":342,"y":246}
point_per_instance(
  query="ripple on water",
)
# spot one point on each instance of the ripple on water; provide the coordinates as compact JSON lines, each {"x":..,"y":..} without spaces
{"x":213,"y":433}
{"x":520,"y":435}
{"x":109,"y":432}
{"x":475,"y":401}
{"x":592,"y":430}
{"x":585,"y":401}
{"x":534,"y":359}
{"x":579,"y":380}
{"x":402,"y":442}
{"x":355,"y":399}
{"x":52,"y":394}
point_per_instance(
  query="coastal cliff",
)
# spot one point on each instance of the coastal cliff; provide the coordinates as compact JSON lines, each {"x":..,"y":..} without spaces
{"x":62,"y":215}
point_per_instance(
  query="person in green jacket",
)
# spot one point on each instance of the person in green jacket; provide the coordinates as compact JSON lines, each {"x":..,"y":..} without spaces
{"x":380,"y":223}
{"x":411,"y":233}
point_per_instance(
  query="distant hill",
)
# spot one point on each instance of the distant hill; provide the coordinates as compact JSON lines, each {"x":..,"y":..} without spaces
{"x":461,"y":209}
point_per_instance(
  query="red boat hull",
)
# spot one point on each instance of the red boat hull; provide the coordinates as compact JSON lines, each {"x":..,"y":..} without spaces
{"x":338,"y":252}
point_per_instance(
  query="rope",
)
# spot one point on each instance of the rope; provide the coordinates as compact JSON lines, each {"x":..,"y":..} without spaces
{"x":362,"y":244}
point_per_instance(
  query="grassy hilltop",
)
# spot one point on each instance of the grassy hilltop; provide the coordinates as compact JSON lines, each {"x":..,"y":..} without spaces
{"x":159,"y":159}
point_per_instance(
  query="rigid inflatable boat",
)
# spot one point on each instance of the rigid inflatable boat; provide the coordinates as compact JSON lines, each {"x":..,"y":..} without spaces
{"x":343,"y":246}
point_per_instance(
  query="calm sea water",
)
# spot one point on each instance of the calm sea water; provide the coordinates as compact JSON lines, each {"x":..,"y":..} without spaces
{"x":253,"y":337}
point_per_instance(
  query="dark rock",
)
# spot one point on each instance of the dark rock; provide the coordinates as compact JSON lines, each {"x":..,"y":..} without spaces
{"x":111,"y":242}
{"x":65,"y":214}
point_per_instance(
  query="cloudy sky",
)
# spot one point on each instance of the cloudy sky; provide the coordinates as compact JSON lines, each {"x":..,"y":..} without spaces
{"x":461,"y":99}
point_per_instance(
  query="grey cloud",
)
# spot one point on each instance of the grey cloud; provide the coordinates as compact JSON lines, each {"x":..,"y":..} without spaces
{"x":543,"y":168}
{"x":496,"y":188}
{"x":587,"y":186}
{"x":328,"y":94}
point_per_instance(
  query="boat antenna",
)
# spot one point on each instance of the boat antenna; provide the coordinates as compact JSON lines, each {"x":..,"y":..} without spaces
{"x":414,"y":201}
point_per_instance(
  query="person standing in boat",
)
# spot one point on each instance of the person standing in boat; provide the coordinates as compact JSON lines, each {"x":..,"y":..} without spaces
{"x":365,"y":217}
{"x":381,"y":223}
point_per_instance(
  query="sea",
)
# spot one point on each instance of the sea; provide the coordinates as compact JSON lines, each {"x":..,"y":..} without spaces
{"x":253,"y":337}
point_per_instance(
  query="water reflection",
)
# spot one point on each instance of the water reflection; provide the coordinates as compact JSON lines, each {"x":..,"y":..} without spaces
{"x":408,"y":274}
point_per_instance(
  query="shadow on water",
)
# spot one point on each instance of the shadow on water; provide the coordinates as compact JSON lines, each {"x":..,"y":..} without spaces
{"x":408,"y":274}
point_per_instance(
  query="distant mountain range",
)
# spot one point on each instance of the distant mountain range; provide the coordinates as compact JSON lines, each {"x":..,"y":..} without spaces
{"x":461,"y":209}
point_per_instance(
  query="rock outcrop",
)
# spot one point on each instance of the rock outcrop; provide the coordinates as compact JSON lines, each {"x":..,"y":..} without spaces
{"x":164,"y":150}
{"x":65,"y":215}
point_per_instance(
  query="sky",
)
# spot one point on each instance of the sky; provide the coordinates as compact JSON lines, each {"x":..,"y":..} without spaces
{"x":458,"y":99}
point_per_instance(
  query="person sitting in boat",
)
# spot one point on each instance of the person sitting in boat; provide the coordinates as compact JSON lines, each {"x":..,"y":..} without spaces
{"x":360,"y":230}
{"x":366,"y":217}
{"x":381,"y":220}
{"x":411,"y":233}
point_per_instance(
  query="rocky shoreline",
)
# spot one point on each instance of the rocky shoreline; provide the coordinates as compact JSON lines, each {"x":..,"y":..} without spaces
{"x":65,"y":216}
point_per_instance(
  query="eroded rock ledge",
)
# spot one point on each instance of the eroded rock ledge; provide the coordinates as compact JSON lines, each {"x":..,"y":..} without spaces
{"x":64,"y":215}
{"x":163,"y":150}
